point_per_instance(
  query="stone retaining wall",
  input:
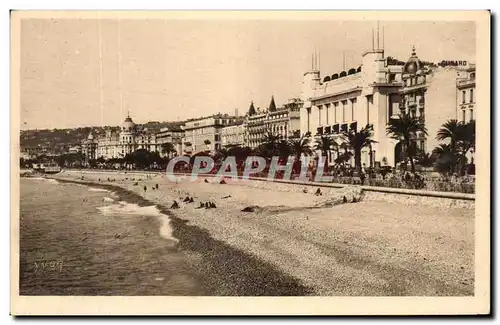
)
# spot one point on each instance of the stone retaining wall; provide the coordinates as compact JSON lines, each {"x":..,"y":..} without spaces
{"x":402,"y":196}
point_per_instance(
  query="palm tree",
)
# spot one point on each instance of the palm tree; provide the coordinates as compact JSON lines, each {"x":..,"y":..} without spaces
{"x":450,"y":130}
{"x":270,"y":145}
{"x":324,"y":145}
{"x":462,"y":138}
{"x":405,"y":128}
{"x":300,"y":146}
{"x":357,"y":141}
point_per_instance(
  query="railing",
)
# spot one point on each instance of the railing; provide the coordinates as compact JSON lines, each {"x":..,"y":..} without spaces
{"x":468,"y":82}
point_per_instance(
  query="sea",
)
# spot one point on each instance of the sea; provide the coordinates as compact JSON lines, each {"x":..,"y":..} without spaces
{"x":82,"y":240}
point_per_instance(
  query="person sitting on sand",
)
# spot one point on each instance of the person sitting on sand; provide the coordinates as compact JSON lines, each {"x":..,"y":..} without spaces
{"x":318,"y":192}
{"x":156,"y":186}
{"x":206,"y":181}
{"x":175,"y":205}
{"x":145,"y":188}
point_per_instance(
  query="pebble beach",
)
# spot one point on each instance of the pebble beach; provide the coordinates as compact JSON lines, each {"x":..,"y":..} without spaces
{"x":295,"y":243}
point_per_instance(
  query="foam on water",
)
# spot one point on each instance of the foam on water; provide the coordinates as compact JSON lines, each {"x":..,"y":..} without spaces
{"x":94,"y":189}
{"x":48,"y":180}
{"x":125,"y":208}
{"x":108,"y":199}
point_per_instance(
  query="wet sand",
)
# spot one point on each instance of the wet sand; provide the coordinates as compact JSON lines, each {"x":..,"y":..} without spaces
{"x":290,"y":248}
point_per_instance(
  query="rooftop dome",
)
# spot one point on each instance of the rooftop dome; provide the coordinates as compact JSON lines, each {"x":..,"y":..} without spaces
{"x":128,"y":124}
{"x":413,"y":64}
{"x":90,"y":137}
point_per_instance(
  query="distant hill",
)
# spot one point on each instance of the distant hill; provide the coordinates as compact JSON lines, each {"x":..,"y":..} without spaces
{"x":59,"y":140}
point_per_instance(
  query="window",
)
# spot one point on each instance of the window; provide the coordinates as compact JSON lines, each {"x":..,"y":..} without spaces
{"x":422,"y":145}
{"x":335,"y":107}
{"x":473,"y":75}
{"x":392,"y":77}
{"x":463,"y":115}
{"x":471,"y":97}
{"x":319,"y":114}
{"x":353,"y":103}
{"x":463,"y":97}
{"x":472,"y":114}
{"x":344,"y":104}
{"x":327,"y":108}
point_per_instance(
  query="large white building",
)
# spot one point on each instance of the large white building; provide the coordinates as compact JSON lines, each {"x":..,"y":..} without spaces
{"x":233,"y":135}
{"x":204,"y":134}
{"x":128,"y":139}
{"x":350,"y":100}
{"x":380,"y":89}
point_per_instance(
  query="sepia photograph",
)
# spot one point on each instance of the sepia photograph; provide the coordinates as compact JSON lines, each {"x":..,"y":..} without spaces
{"x":176,"y":162}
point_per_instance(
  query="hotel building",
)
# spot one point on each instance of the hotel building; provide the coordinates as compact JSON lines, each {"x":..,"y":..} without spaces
{"x":204,"y":134}
{"x":352,"y":99}
{"x":436,"y":94}
{"x":233,"y":135}
{"x":130,"y":138}
{"x":380,"y":89}
{"x":282,"y":121}
{"x":173,"y":135}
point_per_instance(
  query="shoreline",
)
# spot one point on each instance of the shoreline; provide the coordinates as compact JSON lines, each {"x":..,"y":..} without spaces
{"x":233,"y":270}
{"x":362,"y":249}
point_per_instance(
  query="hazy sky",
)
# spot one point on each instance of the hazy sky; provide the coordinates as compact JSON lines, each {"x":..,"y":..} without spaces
{"x":177,"y":69}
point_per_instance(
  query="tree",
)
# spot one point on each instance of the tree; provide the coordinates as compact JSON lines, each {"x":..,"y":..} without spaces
{"x":270,"y":145}
{"x":141,"y":158}
{"x":461,"y":137}
{"x":300,"y":146}
{"x":357,"y":141}
{"x":405,"y":128}
{"x":445,"y":159}
{"x":325,"y":144}
{"x":450,"y":131}
{"x":425,"y":159}
{"x":167,"y":148}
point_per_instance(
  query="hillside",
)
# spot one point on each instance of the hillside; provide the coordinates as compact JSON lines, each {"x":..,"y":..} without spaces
{"x":59,"y":140}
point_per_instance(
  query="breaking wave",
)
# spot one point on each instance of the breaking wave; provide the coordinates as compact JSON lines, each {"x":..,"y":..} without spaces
{"x":48,"y":180}
{"x":125,"y":208}
{"x":95,"y":189}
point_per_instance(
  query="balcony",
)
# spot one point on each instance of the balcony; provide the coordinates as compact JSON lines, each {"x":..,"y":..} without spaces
{"x":466,"y":83}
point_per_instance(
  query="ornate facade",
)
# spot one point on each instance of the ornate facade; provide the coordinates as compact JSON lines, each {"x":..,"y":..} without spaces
{"x":283,"y":121}
{"x":128,"y":139}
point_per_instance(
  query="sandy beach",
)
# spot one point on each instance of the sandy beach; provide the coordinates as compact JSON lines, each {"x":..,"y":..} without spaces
{"x":357,"y":249}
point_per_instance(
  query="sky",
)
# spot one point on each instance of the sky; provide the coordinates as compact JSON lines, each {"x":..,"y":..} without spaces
{"x":88,"y":72}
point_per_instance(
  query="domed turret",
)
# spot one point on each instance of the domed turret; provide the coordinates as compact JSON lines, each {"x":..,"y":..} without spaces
{"x":128,"y":125}
{"x":413,"y":64}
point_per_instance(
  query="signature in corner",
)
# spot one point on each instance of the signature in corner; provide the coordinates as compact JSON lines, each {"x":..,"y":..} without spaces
{"x":46,"y":264}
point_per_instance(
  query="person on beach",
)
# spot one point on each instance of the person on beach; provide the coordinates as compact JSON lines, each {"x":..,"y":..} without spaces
{"x":145,"y":188}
